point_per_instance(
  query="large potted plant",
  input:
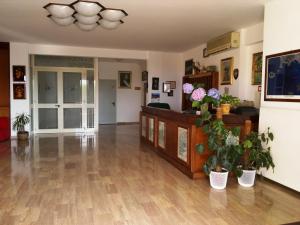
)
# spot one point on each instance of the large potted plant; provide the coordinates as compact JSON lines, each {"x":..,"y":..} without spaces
{"x":227,"y":101}
{"x":19,"y":124}
{"x":257,"y":155}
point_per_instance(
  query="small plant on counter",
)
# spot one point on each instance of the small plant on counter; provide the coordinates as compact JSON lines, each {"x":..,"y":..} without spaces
{"x":257,"y":155}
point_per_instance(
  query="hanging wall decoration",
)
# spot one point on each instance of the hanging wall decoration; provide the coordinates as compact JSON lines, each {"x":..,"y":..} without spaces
{"x":257,"y":68}
{"x":19,"y":91}
{"x":155,"y":83}
{"x":19,"y":73}
{"x":226,"y":71}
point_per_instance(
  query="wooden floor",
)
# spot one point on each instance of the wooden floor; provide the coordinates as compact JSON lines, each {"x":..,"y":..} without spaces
{"x":112,"y":178}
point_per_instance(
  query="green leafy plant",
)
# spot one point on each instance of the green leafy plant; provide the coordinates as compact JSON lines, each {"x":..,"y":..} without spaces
{"x":224,"y":144}
{"x":20,"y":122}
{"x":229,"y":99}
{"x":257,"y":151}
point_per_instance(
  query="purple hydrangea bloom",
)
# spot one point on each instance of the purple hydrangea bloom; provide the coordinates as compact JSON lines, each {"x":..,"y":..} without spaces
{"x":198,"y":94}
{"x":188,"y":88}
{"x":214,"y":93}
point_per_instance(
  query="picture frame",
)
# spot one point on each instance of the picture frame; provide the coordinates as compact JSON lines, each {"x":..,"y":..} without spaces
{"x":257,"y":60}
{"x":226,"y":72}
{"x":19,"y":91}
{"x":19,"y":73}
{"x":145,"y":75}
{"x":189,"y":64}
{"x":166,"y":87}
{"x":173,"y":84}
{"x":155,"y":83}
{"x":171,"y":93}
{"x":282,"y":77}
{"x":125,"y":79}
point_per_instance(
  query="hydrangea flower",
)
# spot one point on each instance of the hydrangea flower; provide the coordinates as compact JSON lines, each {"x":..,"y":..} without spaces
{"x":214,"y":93}
{"x":232,"y":140}
{"x":188,"y":88}
{"x":198,"y":94}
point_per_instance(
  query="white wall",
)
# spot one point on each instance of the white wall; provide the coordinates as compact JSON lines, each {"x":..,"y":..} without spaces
{"x":281,"y":34}
{"x":128,"y":101}
{"x":168,"y":67}
{"x":251,"y":42}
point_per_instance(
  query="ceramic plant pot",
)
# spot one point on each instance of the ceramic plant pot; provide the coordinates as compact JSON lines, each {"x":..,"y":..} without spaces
{"x":225,"y":109}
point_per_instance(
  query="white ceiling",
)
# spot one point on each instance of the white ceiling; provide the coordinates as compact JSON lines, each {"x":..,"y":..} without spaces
{"x":165,"y":25}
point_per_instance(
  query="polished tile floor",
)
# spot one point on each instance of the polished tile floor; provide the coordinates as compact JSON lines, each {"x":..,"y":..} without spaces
{"x":112,"y":178}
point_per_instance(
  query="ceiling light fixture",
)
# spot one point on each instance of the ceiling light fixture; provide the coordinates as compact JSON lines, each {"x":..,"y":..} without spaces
{"x":87,"y":15}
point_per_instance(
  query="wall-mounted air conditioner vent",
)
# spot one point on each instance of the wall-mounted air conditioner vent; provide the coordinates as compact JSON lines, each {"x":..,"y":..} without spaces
{"x":223,"y":42}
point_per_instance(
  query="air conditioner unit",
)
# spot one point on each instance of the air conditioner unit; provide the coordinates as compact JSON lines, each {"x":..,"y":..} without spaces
{"x":223,"y":42}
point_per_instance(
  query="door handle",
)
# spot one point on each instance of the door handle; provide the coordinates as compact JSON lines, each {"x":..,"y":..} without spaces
{"x":113,"y":103}
{"x":57,"y":106}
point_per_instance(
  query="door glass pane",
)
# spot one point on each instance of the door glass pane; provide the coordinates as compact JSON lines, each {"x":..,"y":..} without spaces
{"x":47,"y":87}
{"x":72,"y":118}
{"x":72,"y":87}
{"x":90,"y":117}
{"x":90,"y":86}
{"x":48,"y":119}
{"x":161,"y":134}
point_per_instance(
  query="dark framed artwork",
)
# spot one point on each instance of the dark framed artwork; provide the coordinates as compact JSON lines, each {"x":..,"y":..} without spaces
{"x":166,"y":87}
{"x":145,"y":75}
{"x":226,"y":72}
{"x":257,"y":59}
{"x":155,"y":83}
{"x":19,"y":73}
{"x":19,"y":91}
{"x":189,"y":64}
{"x":282,"y":77}
{"x":171,"y":93}
{"x":125,"y":79}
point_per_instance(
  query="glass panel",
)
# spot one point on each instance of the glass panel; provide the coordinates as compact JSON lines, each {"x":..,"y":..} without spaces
{"x":161,"y":134}
{"x":63,"y":61}
{"x":48,"y":119}
{"x":90,"y":86}
{"x":182,"y":144}
{"x":90,"y":117}
{"x":144,"y":126}
{"x":47,"y":87}
{"x":72,"y":87}
{"x":72,"y":118}
{"x":151,"y":129}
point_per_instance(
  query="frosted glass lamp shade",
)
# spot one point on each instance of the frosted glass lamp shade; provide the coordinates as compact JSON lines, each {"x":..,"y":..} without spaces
{"x":59,"y":10}
{"x":62,"y":21}
{"x":87,"y":8}
{"x":113,"y":15}
{"x":86,"y":19}
{"x":109,"y":24}
{"x":87,"y":27}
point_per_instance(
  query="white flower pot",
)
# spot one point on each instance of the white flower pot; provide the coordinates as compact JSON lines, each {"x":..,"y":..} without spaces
{"x":218,"y":180}
{"x":247,"y":179}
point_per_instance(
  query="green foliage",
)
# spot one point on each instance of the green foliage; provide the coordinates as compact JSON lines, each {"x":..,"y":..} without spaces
{"x":229,"y":99}
{"x":20,"y":122}
{"x":258,"y":150}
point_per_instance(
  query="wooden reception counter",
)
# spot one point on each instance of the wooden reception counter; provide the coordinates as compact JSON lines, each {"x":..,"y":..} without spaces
{"x":173,"y":135}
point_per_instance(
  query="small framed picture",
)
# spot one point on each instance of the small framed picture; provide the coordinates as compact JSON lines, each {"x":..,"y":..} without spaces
{"x":145,"y":75}
{"x":257,"y":59}
{"x":19,"y":91}
{"x":19,"y":73}
{"x":189,"y":64}
{"x":171,"y":93}
{"x":166,"y":87}
{"x":226,"y":71}
{"x":155,"y":83}
{"x":173,"y":84}
{"x":125,"y":79}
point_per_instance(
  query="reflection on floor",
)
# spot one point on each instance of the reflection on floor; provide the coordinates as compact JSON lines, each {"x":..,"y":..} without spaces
{"x":111,"y":178}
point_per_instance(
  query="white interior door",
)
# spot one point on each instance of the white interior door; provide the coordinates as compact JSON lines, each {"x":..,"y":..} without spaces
{"x":107,"y":101}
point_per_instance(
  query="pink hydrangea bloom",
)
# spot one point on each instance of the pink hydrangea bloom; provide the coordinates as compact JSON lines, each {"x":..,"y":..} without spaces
{"x":198,"y":94}
{"x":188,"y":88}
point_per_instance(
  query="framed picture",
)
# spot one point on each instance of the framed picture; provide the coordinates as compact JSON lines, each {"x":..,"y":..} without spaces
{"x":173,"y":84}
{"x":155,"y":97}
{"x":257,"y":68}
{"x":189,"y":64}
{"x":125,"y":79}
{"x":226,"y":71}
{"x":19,"y":91}
{"x":282,"y":77}
{"x":155,"y":83}
{"x":144,"y":75}
{"x":166,"y":87}
{"x":171,"y":93}
{"x":19,"y":73}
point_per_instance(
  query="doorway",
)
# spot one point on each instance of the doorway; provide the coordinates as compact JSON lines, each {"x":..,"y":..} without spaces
{"x":107,"y":101}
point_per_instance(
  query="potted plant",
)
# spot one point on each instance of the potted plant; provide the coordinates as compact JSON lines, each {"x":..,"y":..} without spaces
{"x":227,"y":101}
{"x":257,"y":155}
{"x":225,"y":148}
{"x":19,"y":124}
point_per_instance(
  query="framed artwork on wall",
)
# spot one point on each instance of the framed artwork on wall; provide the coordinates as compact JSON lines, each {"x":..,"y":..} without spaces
{"x":189,"y":64}
{"x":145,"y":75}
{"x":19,"y":73}
{"x":166,"y":87}
{"x":155,"y":83}
{"x":125,"y":79}
{"x":282,"y":77}
{"x":226,"y":71}
{"x":257,"y":68}
{"x":19,"y":91}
